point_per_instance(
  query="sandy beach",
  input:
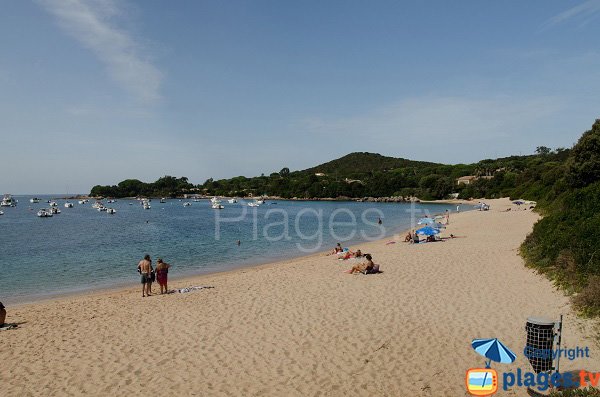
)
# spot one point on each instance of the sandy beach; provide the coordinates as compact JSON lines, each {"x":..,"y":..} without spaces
{"x":302,"y":327}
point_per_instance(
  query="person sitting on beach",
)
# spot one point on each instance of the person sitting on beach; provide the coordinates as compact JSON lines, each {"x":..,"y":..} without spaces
{"x":338,"y":248}
{"x":145,"y":270}
{"x":415,"y":238}
{"x":2,"y":314}
{"x":358,"y":254}
{"x":162,"y":269}
{"x":408,"y":237}
{"x":363,"y":267}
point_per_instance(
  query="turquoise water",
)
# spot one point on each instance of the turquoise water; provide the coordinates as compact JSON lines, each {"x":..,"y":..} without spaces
{"x":82,"y":249}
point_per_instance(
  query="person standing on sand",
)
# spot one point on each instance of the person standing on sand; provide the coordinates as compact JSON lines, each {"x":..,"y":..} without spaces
{"x":162,"y":269}
{"x":447,"y":217}
{"x":2,"y":314}
{"x":145,"y":270}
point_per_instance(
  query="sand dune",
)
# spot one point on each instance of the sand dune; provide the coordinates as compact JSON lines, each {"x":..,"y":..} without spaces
{"x":301,"y":327}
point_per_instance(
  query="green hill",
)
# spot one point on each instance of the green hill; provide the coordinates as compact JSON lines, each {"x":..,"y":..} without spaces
{"x":363,"y":163}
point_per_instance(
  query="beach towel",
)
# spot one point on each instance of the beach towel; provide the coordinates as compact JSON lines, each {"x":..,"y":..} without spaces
{"x":194,"y":288}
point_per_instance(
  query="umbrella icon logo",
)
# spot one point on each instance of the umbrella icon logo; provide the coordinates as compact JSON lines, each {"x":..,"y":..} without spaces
{"x":484,"y":381}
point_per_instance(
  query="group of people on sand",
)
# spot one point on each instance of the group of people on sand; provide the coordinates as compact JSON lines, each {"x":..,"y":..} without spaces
{"x":366,"y":267}
{"x":149,"y":275}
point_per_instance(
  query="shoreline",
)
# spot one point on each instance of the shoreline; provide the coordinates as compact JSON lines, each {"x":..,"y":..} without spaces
{"x":303,"y":326}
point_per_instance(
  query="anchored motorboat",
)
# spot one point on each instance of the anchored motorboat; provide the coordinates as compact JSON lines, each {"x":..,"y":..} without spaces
{"x":68,"y":205}
{"x":111,"y":211}
{"x":97,"y":205}
{"x":232,"y":201}
{"x":217,"y":206}
{"x":253,"y":204}
{"x":44,"y":213}
{"x":53,"y":204}
{"x":34,"y":200}
{"x":54,"y":210}
{"x":8,"y":201}
{"x":187,"y":204}
{"x":1,"y":212}
{"x":163,"y":200}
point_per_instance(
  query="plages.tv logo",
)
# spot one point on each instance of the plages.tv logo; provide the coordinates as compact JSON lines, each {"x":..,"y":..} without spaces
{"x":484,"y":381}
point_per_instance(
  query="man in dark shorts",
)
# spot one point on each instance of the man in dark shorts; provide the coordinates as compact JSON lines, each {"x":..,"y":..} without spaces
{"x":145,"y":270}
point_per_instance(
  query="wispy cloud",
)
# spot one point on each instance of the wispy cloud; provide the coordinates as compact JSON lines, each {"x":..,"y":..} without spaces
{"x":583,"y":12}
{"x":94,"y":25}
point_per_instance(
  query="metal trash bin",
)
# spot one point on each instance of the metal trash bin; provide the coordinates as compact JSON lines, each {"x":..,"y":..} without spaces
{"x":540,"y":343}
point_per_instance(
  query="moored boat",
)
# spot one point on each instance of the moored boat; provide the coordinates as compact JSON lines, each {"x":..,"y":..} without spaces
{"x":8,"y":201}
{"x":44,"y":213}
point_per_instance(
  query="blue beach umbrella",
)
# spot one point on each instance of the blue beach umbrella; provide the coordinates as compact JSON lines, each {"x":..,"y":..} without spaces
{"x":493,"y":350}
{"x":428,"y":231}
{"x":425,"y":221}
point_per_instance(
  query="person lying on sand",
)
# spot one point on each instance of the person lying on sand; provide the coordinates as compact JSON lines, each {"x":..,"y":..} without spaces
{"x":350,"y":254}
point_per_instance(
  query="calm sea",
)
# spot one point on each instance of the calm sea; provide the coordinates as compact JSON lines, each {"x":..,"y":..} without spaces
{"x":83,"y":249}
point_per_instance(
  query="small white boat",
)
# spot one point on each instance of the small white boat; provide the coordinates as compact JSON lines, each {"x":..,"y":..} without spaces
{"x":253,"y":204}
{"x":232,"y":201}
{"x":196,"y":200}
{"x":34,"y":200}
{"x":81,"y":201}
{"x":97,"y":205}
{"x":44,"y":213}
{"x":1,"y":212}
{"x":54,"y":210}
{"x":187,"y":204}
{"x":68,"y":205}
{"x":102,"y":209}
{"x":8,"y":201}
{"x":111,"y":211}
{"x":111,"y":201}
{"x":146,"y":206}
{"x":216,"y":206}
{"x":260,"y":201}
{"x":53,"y":204}
{"x":163,"y":200}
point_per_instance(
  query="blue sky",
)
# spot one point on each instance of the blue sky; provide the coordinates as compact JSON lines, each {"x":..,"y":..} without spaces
{"x":97,"y":92}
